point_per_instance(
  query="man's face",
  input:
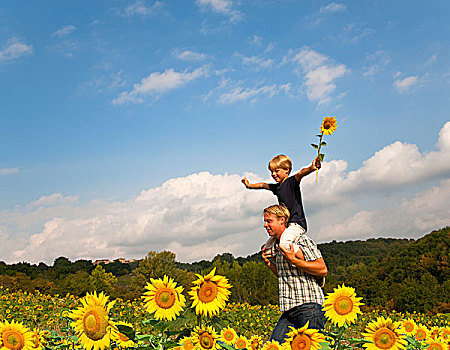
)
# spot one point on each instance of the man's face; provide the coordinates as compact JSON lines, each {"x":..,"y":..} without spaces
{"x":274,"y":226}
{"x":279,"y":174}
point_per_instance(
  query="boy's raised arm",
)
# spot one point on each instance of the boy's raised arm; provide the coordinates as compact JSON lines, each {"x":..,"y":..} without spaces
{"x":259,"y":185}
{"x":316,"y":164}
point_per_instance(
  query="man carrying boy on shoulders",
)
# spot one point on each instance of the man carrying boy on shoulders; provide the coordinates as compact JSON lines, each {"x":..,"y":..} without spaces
{"x":297,"y":269}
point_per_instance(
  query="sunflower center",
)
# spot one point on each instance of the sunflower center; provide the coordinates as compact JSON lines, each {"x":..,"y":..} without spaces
{"x":420,"y":335}
{"x":343,"y":305}
{"x":255,"y":345}
{"x":326,"y":125}
{"x":95,"y":322}
{"x":35,"y":339}
{"x":165,"y":298}
{"x":384,"y":338}
{"x":228,"y":336}
{"x":240,"y":344}
{"x":206,"y":341}
{"x":207,"y":292}
{"x":409,"y":327}
{"x":301,"y":342}
{"x":13,"y":340}
{"x":435,"y":346}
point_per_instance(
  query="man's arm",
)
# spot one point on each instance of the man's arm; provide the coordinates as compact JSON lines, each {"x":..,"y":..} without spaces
{"x":316,"y":164}
{"x":266,"y":255}
{"x":314,"y":267}
{"x":259,"y":185}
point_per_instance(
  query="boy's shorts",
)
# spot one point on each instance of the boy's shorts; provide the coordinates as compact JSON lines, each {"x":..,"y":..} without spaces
{"x":289,"y":236}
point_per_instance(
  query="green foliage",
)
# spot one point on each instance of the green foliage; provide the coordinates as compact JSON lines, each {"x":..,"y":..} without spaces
{"x":102,"y":281}
{"x":395,"y":274}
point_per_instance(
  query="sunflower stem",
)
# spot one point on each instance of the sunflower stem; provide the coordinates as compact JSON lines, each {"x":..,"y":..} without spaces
{"x":318,"y":154}
{"x":199,"y":320}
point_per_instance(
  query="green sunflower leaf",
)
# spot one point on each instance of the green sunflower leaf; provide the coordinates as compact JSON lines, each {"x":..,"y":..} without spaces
{"x":314,"y":146}
{"x":321,"y":156}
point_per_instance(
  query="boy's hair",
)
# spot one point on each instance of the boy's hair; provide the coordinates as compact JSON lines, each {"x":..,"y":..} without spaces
{"x":280,"y":161}
{"x":280,"y":211}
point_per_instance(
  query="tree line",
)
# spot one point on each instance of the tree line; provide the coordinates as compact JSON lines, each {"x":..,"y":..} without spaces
{"x":400,"y":274}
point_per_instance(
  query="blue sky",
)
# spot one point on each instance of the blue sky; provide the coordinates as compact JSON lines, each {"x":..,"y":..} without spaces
{"x":127,"y":125}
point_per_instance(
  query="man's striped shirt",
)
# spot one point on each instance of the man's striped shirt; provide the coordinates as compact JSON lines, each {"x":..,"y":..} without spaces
{"x":295,"y":286}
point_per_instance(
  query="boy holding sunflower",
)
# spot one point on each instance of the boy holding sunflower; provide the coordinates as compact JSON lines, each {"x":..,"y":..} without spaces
{"x":287,"y":190}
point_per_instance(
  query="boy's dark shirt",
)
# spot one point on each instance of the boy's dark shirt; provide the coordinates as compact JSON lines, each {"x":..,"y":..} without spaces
{"x":288,"y":194}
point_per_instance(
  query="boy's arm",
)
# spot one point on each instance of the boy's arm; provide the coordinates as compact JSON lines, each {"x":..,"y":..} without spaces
{"x":316,"y":164}
{"x":259,"y":185}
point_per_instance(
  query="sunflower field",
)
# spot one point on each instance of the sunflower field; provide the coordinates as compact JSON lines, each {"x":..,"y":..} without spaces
{"x":166,"y":317}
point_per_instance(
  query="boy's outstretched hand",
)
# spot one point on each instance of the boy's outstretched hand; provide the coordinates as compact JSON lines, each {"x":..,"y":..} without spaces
{"x":316,"y":164}
{"x":245,"y":182}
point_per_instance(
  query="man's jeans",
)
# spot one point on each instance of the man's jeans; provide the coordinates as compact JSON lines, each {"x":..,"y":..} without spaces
{"x":297,"y":318}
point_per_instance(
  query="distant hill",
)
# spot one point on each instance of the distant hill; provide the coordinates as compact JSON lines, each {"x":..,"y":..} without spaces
{"x":400,"y":274}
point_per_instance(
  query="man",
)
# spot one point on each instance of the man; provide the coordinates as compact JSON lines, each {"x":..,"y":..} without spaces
{"x":299,"y":268}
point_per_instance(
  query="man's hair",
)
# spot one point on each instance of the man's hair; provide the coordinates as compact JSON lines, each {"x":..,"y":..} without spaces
{"x":280,"y":161}
{"x":280,"y":211}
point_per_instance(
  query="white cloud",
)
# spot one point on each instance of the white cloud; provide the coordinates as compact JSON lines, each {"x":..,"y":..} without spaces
{"x":319,"y":74}
{"x":14,"y":50}
{"x":333,"y":7}
{"x":55,"y":199}
{"x":353,"y":33}
{"x":406,"y":84}
{"x":201,"y":215}
{"x":377,"y":61}
{"x":224,"y":7}
{"x":256,"y":62}
{"x":157,"y":83}
{"x":7,"y":171}
{"x":139,"y":8}
{"x":239,"y":93}
{"x":64,"y":31}
{"x":188,"y":55}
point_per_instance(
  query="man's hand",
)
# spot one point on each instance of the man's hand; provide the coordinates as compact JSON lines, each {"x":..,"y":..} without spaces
{"x":266,"y":255}
{"x":290,"y":255}
{"x":245,"y":182}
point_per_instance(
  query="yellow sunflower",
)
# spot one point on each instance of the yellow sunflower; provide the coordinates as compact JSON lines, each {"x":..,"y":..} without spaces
{"x":205,"y":338}
{"x":15,"y":336}
{"x":303,"y":339}
{"x":421,"y":333}
{"x":122,"y":341}
{"x":255,"y":342}
{"x":384,"y":334}
{"x":435,"y":332}
{"x":329,"y":125}
{"x":39,"y":340}
{"x":228,"y":336}
{"x":342,"y":305}
{"x":241,"y":343}
{"x":164,"y":298}
{"x":436,"y":344}
{"x":209,"y":294}
{"x":92,"y":324}
{"x":409,"y":327}
{"x":446,"y":333}
{"x":186,"y":344}
{"x":272,"y":345}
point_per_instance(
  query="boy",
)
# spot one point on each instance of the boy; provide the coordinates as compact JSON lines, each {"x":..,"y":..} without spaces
{"x":287,"y":190}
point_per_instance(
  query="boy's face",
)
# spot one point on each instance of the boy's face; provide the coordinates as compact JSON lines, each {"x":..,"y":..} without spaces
{"x":280,"y":174}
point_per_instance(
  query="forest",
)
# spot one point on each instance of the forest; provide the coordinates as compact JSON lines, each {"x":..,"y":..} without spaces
{"x":405,"y":275}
